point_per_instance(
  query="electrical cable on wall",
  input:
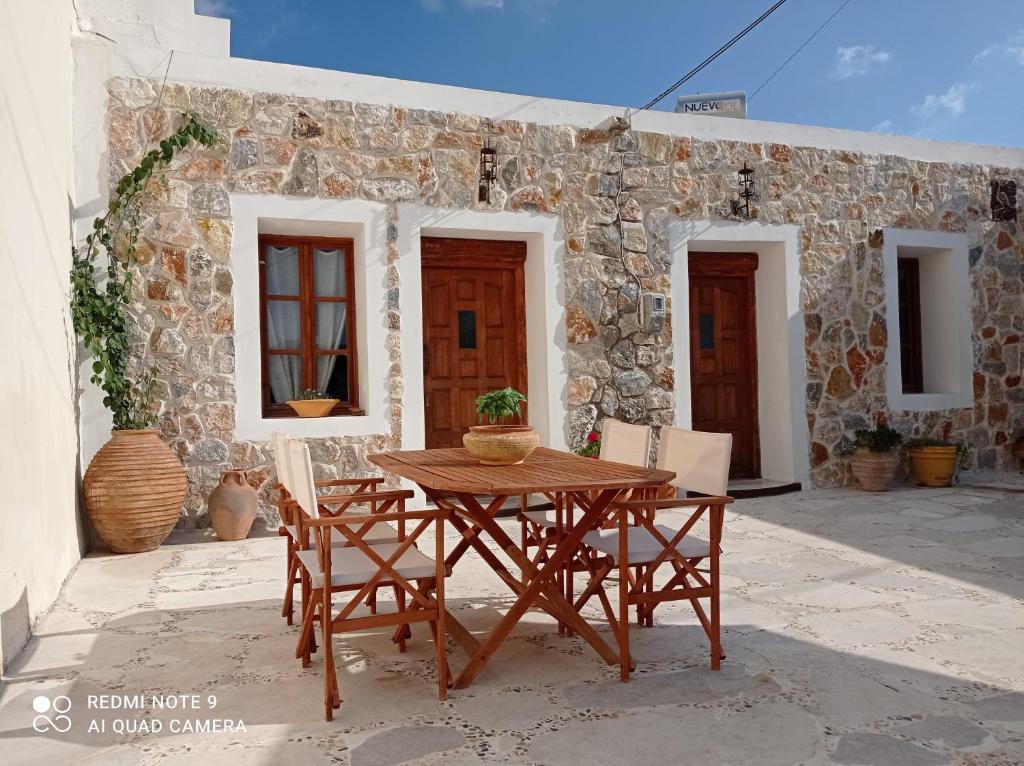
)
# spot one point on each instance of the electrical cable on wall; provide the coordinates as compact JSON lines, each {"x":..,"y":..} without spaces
{"x":675,"y":86}
{"x":795,"y":53}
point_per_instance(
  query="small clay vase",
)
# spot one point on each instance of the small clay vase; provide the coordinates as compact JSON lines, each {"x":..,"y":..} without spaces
{"x":232,"y":506}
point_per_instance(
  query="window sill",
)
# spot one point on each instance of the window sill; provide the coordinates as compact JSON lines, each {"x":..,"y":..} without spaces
{"x":334,"y":415}
{"x":929,"y":402}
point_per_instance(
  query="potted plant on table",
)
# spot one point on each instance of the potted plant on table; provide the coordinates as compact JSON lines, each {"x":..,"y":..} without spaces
{"x":935,"y":460}
{"x":312,"y":404}
{"x":874,"y":458}
{"x":135,"y":486}
{"x":499,"y":443}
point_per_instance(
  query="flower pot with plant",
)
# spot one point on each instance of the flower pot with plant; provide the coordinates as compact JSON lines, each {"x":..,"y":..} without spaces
{"x":135,"y":486}
{"x":312,"y":404}
{"x":499,"y":443}
{"x":591,"y":447}
{"x":935,"y":460}
{"x":875,"y":459}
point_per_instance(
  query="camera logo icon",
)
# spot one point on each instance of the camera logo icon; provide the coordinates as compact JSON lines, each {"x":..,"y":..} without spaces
{"x":57,"y":707}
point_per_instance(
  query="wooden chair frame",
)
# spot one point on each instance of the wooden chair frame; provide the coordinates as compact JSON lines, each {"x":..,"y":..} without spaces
{"x":636,"y":581}
{"x":285,"y":508}
{"x":423,"y":608}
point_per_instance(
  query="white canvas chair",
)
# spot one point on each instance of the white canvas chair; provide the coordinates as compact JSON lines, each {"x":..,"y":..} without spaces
{"x":701,"y":463}
{"x":360,"y":568}
{"x":620,"y":443}
{"x":381,"y":533}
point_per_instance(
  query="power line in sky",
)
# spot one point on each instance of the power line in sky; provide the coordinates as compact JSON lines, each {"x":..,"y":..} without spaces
{"x":797,"y":51}
{"x":697,"y":69}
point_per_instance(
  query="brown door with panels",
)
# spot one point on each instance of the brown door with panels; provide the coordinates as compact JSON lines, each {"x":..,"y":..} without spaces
{"x":723,"y":353}
{"x":474,"y":330}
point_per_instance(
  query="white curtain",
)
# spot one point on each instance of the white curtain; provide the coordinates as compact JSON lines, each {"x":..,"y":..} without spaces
{"x":283,"y":325}
{"x":331,"y":324}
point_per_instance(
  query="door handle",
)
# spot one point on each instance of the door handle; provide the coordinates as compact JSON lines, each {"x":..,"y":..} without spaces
{"x":426,"y":358}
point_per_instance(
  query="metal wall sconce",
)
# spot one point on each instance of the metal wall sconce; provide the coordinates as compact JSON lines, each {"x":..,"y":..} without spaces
{"x":488,"y":171}
{"x":741,"y":205}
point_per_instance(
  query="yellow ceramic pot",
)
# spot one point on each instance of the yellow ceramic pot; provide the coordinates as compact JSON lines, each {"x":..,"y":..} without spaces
{"x":500,"y":445}
{"x":312,"y":408}
{"x":934,"y":466}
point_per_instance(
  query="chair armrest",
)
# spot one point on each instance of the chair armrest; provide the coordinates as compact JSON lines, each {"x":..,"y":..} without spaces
{"x":356,"y":498}
{"x":372,"y":480}
{"x":688,"y":502}
{"x":347,"y":519}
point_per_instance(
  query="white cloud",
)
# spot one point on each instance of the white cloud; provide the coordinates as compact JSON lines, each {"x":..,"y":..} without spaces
{"x":858,"y":60}
{"x":885,"y":126}
{"x":212,"y":8}
{"x":952,"y":102}
{"x":1012,"y":49}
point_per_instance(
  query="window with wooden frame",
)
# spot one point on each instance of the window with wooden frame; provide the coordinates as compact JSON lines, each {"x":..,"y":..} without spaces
{"x":911,"y":352}
{"x":307,"y":322}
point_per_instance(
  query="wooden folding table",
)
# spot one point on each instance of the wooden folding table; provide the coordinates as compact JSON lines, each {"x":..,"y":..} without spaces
{"x":591,"y":485}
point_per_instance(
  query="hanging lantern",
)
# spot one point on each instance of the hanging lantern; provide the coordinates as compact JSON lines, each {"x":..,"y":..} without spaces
{"x":488,"y":170}
{"x":741,"y":205}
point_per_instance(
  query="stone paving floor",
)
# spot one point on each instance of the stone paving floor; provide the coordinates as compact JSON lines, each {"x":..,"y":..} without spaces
{"x":860,"y":629}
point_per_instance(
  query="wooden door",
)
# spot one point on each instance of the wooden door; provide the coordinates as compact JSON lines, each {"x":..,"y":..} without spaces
{"x":723,"y":353}
{"x":474,"y":330}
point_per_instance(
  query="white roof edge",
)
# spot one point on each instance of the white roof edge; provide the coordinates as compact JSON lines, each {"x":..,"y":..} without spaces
{"x":264,"y":76}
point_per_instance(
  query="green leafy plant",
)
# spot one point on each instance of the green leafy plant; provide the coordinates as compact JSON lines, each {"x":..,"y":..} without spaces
{"x":499,"y":405}
{"x":963,"y":449}
{"x":100,"y":295}
{"x":312,"y":393}
{"x":878,"y":439}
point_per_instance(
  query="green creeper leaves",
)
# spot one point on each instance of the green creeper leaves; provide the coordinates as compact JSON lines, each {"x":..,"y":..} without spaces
{"x":100,"y":299}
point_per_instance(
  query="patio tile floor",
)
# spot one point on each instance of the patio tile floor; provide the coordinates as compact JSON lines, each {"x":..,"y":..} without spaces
{"x":859,"y":628}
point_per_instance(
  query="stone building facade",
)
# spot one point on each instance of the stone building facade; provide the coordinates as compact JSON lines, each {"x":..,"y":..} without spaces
{"x":615,"y":192}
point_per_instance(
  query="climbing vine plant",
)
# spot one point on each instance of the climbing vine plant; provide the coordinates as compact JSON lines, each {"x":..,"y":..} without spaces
{"x":100,"y":295}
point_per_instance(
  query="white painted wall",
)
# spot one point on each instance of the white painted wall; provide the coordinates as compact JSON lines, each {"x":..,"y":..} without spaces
{"x":946,"y":326}
{"x":39,"y":531}
{"x":781,"y":377}
{"x":96,"y":61}
{"x":546,"y":366}
{"x":365,"y":223}
{"x":162,"y":24}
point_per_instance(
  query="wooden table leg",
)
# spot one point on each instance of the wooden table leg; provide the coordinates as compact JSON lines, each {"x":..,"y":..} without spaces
{"x":540,"y":587}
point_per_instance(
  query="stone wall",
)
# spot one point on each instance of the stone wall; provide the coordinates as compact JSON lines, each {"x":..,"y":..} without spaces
{"x":615,"y":192}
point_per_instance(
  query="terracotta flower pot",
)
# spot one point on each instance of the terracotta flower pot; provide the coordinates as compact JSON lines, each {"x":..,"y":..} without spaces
{"x":232,"y":506}
{"x":500,"y":445}
{"x":134,"y":489}
{"x":934,"y":466}
{"x":312,"y":408}
{"x":874,"y":470}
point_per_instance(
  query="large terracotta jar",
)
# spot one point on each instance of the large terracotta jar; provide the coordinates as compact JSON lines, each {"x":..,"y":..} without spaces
{"x":134,"y":491}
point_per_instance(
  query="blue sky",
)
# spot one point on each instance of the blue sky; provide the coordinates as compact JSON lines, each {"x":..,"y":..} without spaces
{"x":943,"y":69}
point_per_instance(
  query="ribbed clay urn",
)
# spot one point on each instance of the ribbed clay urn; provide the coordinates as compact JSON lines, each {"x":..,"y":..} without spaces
{"x":500,"y":445}
{"x":874,"y":470}
{"x":134,"y":491}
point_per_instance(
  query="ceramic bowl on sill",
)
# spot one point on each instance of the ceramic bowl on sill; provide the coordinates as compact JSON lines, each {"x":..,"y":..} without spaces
{"x":312,"y":408}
